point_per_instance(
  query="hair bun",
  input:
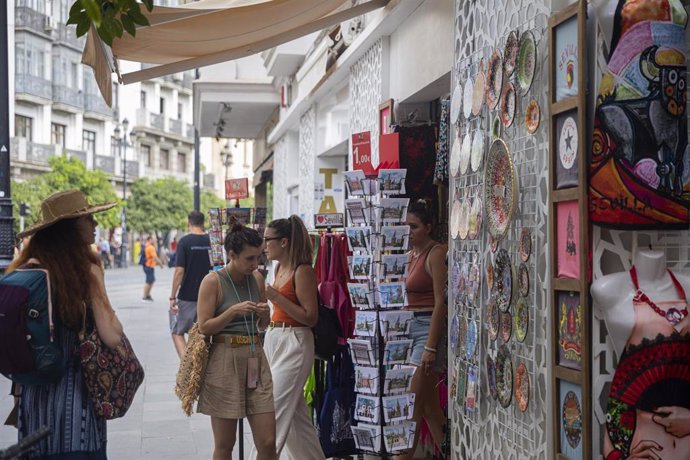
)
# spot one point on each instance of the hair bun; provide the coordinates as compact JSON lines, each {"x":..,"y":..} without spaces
{"x":236,"y":227}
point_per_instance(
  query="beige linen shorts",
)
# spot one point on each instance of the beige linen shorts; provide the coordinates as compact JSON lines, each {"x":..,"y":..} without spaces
{"x":224,"y":391}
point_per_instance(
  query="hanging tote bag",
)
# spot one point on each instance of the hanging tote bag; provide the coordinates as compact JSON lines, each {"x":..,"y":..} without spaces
{"x":334,"y":295}
{"x":111,"y":375}
{"x":192,"y":369}
{"x":335,"y":417}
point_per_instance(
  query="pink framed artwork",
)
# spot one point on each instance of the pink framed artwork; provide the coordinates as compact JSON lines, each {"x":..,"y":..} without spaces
{"x":386,"y":117}
{"x":568,"y":239}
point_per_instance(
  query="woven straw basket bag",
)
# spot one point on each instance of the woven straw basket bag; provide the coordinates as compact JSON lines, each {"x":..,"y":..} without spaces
{"x":192,"y":369}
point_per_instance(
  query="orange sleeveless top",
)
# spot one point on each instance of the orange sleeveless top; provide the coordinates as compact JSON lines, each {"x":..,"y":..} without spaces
{"x":419,"y":284}
{"x":287,"y":290}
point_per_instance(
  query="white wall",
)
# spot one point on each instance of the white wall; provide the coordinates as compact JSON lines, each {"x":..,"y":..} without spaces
{"x":421,"y":48}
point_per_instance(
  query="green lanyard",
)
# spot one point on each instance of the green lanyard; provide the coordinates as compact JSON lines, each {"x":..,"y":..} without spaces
{"x":244,"y":317}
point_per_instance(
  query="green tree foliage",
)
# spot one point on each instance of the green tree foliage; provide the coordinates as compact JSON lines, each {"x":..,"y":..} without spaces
{"x":66,"y":174}
{"x":111,"y":18}
{"x":159,"y":205}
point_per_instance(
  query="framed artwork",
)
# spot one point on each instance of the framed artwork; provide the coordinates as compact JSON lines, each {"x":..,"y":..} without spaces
{"x":569,"y":330}
{"x":566,"y":59}
{"x":568,"y":239}
{"x":386,"y":117}
{"x":567,"y":150}
{"x":570,"y":419}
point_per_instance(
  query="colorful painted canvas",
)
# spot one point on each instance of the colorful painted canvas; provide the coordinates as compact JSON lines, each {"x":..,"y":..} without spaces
{"x":569,"y":330}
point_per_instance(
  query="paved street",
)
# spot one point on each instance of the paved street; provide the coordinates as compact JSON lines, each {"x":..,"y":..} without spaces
{"x":154,"y":427}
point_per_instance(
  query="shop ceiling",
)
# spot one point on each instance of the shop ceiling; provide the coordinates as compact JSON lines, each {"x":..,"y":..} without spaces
{"x":212,"y":31}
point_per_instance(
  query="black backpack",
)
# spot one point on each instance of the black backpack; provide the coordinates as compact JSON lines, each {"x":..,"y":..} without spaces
{"x":326,"y":332}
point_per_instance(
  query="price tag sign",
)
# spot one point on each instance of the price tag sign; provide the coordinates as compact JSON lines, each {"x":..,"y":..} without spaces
{"x":361,"y":153}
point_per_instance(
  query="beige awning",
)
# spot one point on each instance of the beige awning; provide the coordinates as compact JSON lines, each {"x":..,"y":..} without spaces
{"x":213,"y":31}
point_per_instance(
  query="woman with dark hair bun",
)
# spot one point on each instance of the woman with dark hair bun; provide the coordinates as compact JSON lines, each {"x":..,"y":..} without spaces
{"x":425,"y":285}
{"x":231,"y":309}
{"x":289,"y":339}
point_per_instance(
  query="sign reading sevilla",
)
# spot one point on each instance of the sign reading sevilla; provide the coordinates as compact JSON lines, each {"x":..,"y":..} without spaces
{"x":236,"y":189}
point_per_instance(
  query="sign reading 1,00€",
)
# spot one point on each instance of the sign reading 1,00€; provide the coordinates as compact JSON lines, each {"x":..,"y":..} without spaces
{"x":236,"y":189}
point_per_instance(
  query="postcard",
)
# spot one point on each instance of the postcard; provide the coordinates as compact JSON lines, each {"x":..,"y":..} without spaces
{"x":360,"y":267}
{"x":362,"y":352}
{"x":397,"y":408}
{"x":395,"y":238}
{"x":367,"y":437}
{"x":397,"y":352}
{"x":399,"y":437}
{"x":214,"y":218}
{"x":358,"y":211}
{"x":367,"y":380}
{"x":393,"y":267}
{"x":392,"y":295}
{"x":392,"y":181}
{"x":260,"y":217}
{"x":358,"y":184}
{"x":238,"y":215}
{"x":367,"y":408}
{"x":360,"y":296}
{"x":365,"y":323}
{"x":393,"y":210}
{"x":358,"y":239}
{"x":395,"y":323}
{"x":398,"y":380}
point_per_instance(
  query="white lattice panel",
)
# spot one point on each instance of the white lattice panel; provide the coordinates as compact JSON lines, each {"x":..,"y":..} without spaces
{"x":280,"y":179}
{"x":307,"y":159}
{"x":366,"y":94}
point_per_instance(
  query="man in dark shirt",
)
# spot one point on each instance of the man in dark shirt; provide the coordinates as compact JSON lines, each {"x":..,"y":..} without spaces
{"x":192,"y":265}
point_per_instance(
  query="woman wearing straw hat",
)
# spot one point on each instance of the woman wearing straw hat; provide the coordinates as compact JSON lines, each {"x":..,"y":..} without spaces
{"x":60,"y":242}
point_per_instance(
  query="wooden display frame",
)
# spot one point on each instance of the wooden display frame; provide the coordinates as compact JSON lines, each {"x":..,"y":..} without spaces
{"x":558,"y":106}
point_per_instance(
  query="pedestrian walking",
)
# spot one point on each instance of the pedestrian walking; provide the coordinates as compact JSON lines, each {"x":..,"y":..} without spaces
{"x":237,"y":383}
{"x":289,"y":341}
{"x":104,"y":247}
{"x":192,"y":265}
{"x":61,"y":245}
{"x":426,"y":298}
{"x":150,"y":261}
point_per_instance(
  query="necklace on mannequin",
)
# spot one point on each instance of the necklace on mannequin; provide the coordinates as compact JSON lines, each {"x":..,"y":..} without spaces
{"x":672,"y":315}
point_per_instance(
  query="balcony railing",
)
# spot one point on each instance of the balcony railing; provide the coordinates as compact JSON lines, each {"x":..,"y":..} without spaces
{"x":104,"y":163}
{"x":68,"y":35}
{"x":95,"y":103}
{"x":34,"y":86}
{"x":67,"y":95}
{"x":157,"y":120}
{"x":80,"y":154}
{"x":29,"y":18}
{"x":40,"y":152}
{"x":175,"y":126}
{"x":132,"y":168}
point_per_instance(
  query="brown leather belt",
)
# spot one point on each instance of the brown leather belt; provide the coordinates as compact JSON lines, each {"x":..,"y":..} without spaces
{"x":236,"y":340}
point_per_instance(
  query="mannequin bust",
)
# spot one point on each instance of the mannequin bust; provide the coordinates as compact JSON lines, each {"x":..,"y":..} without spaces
{"x":614,"y":293}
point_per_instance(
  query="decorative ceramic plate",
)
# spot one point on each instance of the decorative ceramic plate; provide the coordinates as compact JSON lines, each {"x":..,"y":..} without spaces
{"x":454,"y":331}
{"x":525,"y":244}
{"x":455,"y":278}
{"x":489,"y":274}
{"x":473,"y":284}
{"x":493,"y":243}
{"x":455,"y":219}
{"x":493,"y":319}
{"x":504,"y":376}
{"x":477,"y":153}
{"x":506,"y":326}
{"x":522,"y":387}
{"x":571,"y":412}
{"x":462,"y":285}
{"x":479,"y":89}
{"x":503,"y":279}
{"x":523,"y":280}
{"x":521,"y":319}
{"x":462,"y":337}
{"x":526,"y":62}
{"x":510,"y":53}
{"x":496,"y":127}
{"x":467,"y":95}
{"x":475,"y":218}
{"x":477,"y":203}
{"x":465,"y":153}
{"x":456,"y":104}
{"x":464,"y":227}
{"x":532,"y":116}
{"x":455,"y":157}
{"x":494,"y":79}
{"x":471,"y":344}
{"x":500,"y":189}
{"x":491,"y":377}
{"x":508,"y":104}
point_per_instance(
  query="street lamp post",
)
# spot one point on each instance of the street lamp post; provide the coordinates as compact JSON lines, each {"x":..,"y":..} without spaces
{"x":226,"y":155}
{"x":122,"y":144}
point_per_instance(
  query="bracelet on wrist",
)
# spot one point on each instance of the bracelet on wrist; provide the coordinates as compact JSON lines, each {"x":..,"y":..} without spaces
{"x":172,"y":298}
{"x":430,"y":350}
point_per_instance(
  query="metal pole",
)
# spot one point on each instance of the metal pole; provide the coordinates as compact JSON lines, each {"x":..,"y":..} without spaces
{"x":196,"y":161}
{"x":6,"y":220}
{"x":124,"y":203}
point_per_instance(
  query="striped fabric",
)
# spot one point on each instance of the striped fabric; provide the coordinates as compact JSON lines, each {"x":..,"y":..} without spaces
{"x":66,"y":408}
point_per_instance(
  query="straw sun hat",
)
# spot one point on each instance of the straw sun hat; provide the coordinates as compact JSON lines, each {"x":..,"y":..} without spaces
{"x":63,"y":205}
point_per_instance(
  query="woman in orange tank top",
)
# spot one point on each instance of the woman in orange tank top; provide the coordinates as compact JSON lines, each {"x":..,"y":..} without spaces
{"x":425,"y":286}
{"x":289,"y":342}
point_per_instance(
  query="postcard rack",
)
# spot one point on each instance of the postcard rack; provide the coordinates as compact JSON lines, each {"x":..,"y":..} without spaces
{"x":378,"y":238}
{"x":221,"y":220}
